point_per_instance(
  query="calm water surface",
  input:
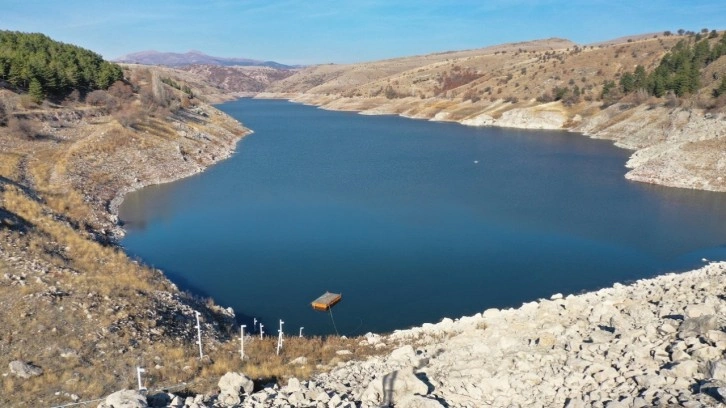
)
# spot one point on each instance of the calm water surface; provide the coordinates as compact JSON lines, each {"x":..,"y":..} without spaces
{"x":410,"y":220}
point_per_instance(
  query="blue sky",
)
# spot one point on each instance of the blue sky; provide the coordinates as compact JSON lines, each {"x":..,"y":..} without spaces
{"x":339,"y":31}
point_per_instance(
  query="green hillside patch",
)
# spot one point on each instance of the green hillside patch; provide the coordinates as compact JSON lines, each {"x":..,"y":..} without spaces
{"x":50,"y":69}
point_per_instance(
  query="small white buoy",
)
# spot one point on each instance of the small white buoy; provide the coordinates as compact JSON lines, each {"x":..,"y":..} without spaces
{"x":476,"y":161}
{"x":704,"y":260}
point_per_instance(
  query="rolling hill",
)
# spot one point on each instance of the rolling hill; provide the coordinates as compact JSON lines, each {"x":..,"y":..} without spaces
{"x":193,"y":57}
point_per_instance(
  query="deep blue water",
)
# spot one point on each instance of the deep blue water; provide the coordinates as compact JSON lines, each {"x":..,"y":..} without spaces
{"x":410,"y":220}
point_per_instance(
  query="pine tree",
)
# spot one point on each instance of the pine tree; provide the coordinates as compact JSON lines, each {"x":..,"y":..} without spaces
{"x":640,"y":77}
{"x":627,"y":82}
{"x":3,"y":115}
{"x":35,"y":90}
{"x":721,"y":90}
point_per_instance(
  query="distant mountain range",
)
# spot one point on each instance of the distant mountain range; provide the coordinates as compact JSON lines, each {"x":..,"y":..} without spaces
{"x":173,"y":59}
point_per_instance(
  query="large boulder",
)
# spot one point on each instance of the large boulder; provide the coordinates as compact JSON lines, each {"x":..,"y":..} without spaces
{"x":124,"y":399}
{"x":697,"y":326}
{"x":403,"y":354}
{"x":231,"y":387}
{"x":717,"y":370}
{"x":394,"y":387}
{"x":682,"y":369}
{"x":24,"y":370}
{"x":406,"y":356}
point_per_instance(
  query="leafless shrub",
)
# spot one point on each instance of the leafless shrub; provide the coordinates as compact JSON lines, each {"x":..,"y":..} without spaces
{"x":121,"y":90}
{"x":711,"y":104}
{"x":174,"y":105}
{"x":102,"y":99}
{"x":456,"y":78}
{"x":719,"y":103}
{"x":472,"y":95}
{"x":545,"y":98}
{"x":128,"y":116}
{"x":640,"y":96}
{"x":23,"y":128}
{"x":672,"y":100}
{"x":186,"y":102}
{"x":3,"y":114}
{"x":73,"y":97}
{"x":26,"y":102}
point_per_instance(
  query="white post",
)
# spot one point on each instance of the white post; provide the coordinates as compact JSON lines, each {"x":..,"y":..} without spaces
{"x":140,"y":370}
{"x":199,"y":335}
{"x":301,"y":331}
{"x":279,"y":338}
{"x":242,"y":341}
{"x":261,"y":331}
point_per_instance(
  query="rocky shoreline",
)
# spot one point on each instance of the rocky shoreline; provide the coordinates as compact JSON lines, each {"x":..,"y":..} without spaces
{"x":656,"y":342}
{"x":218,"y":145}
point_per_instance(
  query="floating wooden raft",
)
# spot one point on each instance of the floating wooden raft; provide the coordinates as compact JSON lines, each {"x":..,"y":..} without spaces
{"x":326,"y":301}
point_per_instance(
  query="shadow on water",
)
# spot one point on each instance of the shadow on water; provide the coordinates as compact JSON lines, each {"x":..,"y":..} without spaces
{"x":185,"y":285}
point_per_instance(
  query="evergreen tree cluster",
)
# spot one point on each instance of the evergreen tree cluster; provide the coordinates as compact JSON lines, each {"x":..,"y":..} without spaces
{"x":679,"y":70}
{"x":44,"y":67}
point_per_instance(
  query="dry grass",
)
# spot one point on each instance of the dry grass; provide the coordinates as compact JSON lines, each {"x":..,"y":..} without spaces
{"x":518,"y":73}
{"x":79,"y":252}
{"x":9,"y":163}
{"x":262,"y":363}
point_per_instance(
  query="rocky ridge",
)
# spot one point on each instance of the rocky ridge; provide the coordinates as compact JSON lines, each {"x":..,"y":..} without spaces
{"x":656,"y":342}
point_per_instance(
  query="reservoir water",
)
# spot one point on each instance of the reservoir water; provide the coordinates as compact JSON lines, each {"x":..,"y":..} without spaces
{"x":411,"y":221}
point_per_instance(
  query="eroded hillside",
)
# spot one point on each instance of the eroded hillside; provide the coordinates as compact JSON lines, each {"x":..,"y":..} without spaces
{"x":77,"y":306}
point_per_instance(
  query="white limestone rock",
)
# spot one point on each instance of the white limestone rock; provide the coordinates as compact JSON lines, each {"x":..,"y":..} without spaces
{"x":697,"y":326}
{"x":699,"y":310}
{"x":124,"y":399}
{"x":24,"y":370}
{"x":393,"y":387}
{"x":716,"y":370}
{"x":682,"y":369}
{"x":232,"y":385}
{"x":299,"y":361}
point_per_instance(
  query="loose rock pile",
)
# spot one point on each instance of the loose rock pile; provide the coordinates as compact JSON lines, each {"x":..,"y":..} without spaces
{"x":657,"y":342}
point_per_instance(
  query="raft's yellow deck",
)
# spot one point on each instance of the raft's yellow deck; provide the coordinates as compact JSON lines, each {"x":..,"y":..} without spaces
{"x":326,"y":301}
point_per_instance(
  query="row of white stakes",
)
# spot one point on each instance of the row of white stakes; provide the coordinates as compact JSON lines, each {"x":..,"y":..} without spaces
{"x":280,"y":340}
